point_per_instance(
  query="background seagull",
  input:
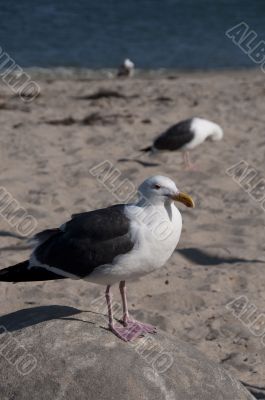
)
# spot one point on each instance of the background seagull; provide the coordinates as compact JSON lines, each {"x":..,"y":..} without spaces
{"x":126,"y":69}
{"x":185,"y":136}
{"x":110,"y":245}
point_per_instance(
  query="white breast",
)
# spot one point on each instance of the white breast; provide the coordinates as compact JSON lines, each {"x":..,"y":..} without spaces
{"x":156,"y":237}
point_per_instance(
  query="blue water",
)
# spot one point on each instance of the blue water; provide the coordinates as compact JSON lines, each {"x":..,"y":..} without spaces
{"x":186,"y":34}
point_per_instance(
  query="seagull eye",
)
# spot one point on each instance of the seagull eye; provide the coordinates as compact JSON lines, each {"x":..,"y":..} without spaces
{"x":157,"y":187}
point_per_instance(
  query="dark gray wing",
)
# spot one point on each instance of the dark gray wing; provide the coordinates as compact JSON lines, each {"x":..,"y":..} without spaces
{"x":175,"y":137}
{"x":87,"y":241}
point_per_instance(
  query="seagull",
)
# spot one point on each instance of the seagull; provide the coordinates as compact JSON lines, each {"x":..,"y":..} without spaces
{"x":185,"y":136}
{"x":114,"y":244}
{"x":126,"y":68}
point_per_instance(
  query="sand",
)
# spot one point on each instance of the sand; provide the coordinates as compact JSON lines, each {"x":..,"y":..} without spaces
{"x":48,"y":148}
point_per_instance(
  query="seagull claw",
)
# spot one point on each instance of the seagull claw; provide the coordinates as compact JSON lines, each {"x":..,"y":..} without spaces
{"x":132,"y":330}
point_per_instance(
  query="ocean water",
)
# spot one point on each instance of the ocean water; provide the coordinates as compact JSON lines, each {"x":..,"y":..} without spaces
{"x":178,"y":34}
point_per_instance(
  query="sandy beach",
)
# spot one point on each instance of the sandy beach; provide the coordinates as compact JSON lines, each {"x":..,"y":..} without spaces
{"x":48,"y":148}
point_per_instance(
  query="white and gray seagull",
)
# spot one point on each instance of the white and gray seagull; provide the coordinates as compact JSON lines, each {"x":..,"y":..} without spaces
{"x":126,"y":69}
{"x":185,"y":136}
{"x":114,"y":244}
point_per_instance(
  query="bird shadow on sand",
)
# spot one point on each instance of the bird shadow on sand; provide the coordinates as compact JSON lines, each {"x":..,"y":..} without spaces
{"x":25,"y":240}
{"x":16,"y":248}
{"x":36,"y":315}
{"x":143,"y":163}
{"x":201,"y":257}
{"x":13,"y":235}
{"x":24,"y":246}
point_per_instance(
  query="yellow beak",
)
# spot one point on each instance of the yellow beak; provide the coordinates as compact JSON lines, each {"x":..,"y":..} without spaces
{"x":185,"y":199}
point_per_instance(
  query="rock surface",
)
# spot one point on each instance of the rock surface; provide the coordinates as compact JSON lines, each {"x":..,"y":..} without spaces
{"x":58,"y":352}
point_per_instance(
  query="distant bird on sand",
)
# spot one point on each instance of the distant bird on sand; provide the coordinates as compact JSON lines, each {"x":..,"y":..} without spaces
{"x":114,"y":244}
{"x":126,"y":69}
{"x":185,"y":136}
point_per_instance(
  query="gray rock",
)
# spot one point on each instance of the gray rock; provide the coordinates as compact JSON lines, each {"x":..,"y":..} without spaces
{"x":57,"y":352}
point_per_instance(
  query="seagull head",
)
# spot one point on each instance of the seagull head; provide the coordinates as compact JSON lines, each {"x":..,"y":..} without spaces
{"x":161,"y":189}
{"x":217,"y":133}
{"x":128,"y":64}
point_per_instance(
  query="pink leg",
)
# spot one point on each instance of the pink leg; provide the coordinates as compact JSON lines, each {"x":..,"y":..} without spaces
{"x":124,"y":333}
{"x":124,"y":303}
{"x":108,"y":299}
{"x":186,"y":158}
{"x":136,"y":326}
{"x":132,"y":329}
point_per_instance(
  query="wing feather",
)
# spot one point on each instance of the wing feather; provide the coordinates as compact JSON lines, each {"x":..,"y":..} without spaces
{"x":175,"y":137}
{"x":88,"y":241}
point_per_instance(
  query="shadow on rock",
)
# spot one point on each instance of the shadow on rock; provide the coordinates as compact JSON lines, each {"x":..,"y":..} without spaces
{"x":32,"y":316}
